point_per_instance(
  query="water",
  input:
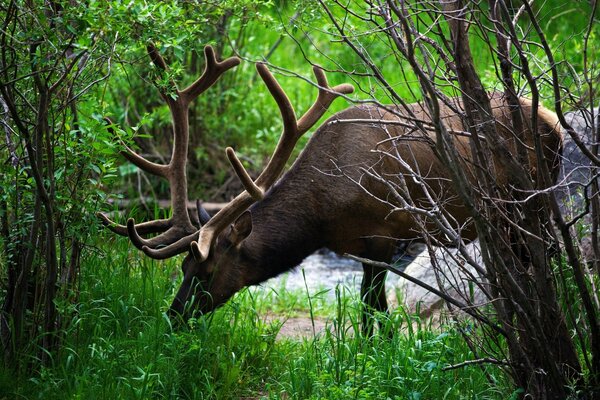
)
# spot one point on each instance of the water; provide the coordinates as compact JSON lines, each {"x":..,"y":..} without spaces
{"x":321,"y":270}
{"x":324,"y":270}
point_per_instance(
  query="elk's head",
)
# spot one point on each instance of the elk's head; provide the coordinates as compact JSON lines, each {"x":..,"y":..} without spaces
{"x":214,"y":268}
{"x":208,"y":283}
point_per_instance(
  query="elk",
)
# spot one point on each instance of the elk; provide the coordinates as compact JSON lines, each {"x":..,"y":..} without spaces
{"x":328,"y":198}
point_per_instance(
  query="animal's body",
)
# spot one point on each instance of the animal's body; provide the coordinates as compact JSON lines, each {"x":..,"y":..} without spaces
{"x":320,"y":203}
{"x":331,"y":197}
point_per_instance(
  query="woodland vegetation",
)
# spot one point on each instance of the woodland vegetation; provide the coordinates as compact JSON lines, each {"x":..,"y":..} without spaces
{"x":83,"y":312}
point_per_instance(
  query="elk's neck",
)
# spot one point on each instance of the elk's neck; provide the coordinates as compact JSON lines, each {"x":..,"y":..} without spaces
{"x":283,"y":234}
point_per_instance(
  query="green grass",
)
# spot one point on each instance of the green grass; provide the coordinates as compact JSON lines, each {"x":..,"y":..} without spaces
{"x":119,"y":344}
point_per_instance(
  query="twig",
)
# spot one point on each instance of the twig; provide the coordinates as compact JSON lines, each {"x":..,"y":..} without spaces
{"x":485,"y":360}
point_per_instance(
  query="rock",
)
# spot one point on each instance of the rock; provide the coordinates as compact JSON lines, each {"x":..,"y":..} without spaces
{"x":576,"y":169}
{"x":455,"y":275}
{"x":576,"y":172}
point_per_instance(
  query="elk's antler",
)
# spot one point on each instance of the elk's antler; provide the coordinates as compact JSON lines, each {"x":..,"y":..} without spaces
{"x":178,"y":231}
{"x":293,"y":129}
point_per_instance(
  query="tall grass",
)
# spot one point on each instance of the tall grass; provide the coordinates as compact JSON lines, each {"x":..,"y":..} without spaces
{"x":119,"y":344}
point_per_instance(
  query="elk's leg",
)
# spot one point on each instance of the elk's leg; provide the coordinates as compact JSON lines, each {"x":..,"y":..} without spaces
{"x":373,"y":295}
{"x":373,"y":284}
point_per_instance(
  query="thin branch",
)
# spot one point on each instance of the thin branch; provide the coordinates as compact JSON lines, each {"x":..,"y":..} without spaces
{"x":485,"y":360}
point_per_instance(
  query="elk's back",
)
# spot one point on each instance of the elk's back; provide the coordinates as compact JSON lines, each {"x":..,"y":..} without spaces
{"x":358,"y":166}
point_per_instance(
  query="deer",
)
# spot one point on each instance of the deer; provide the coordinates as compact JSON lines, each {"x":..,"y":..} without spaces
{"x":329,"y":198}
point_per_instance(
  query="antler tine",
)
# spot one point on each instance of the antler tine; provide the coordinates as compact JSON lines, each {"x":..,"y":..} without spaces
{"x":144,"y":228}
{"x":178,"y":247}
{"x":169,"y":233}
{"x":256,"y":192}
{"x":155,"y":56}
{"x":286,"y":143}
{"x":160,"y":63}
{"x":213,"y":69}
{"x":287,"y":140}
{"x":144,"y":164}
{"x":135,"y":158}
{"x":326,"y":96}
{"x":288,"y":115}
{"x":135,"y":238}
{"x":172,"y":235}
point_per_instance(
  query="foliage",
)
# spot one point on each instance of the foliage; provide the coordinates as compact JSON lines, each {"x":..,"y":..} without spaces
{"x":57,"y":161}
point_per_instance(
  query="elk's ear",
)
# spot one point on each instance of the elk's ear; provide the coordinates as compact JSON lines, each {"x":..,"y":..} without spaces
{"x":203,"y":215}
{"x":241,"y":228}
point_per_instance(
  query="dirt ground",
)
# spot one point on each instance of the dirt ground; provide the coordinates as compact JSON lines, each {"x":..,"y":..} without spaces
{"x":298,"y":327}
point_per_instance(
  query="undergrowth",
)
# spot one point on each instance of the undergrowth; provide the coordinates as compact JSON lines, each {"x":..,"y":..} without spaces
{"x":120,"y":345}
